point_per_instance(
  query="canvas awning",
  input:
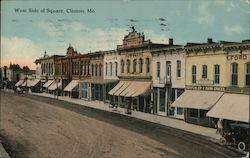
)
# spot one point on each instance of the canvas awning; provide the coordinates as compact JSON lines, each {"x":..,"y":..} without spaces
{"x":73,"y":85}
{"x":232,"y":107}
{"x":122,"y":88}
{"x":130,"y":88}
{"x":55,"y":85}
{"x":118,"y":86}
{"x":27,"y":83}
{"x":19,"y":83}
{"x":34,"y":82}
{"x":196,"y":99}
{"x":48,"y":83}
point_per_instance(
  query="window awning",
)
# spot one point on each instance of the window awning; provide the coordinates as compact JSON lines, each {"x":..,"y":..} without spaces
{"x":19,"y":83}
{"x":130,"y":88}
{"x":72,"y":86}
{"x":48,"y":83}
{"x":196,"y":99}
{"x":55,"y":85}
{"x":34,"y":82}
{"x":232,"y":107}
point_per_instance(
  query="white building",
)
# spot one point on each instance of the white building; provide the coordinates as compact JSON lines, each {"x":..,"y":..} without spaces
{"x":168,"y":78}
{"x":111,"y":64}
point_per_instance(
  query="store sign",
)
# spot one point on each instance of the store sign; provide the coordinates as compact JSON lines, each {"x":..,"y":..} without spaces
{"x":134,"y":55}
{"x":111,"y":58}
{"x":206,"y":88}
{"x":237,"y":57}
{"x":204,"y":82}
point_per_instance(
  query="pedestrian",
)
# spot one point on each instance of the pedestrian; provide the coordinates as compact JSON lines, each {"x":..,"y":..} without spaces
{"x":219,"y":127}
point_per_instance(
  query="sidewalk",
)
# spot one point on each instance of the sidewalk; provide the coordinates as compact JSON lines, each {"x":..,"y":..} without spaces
{"x":166,"y":121}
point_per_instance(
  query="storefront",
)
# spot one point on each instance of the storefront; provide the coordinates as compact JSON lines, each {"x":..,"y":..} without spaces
{"x":236,"y":105}
{"x":72,"y":89}
{"x":196,"y":104}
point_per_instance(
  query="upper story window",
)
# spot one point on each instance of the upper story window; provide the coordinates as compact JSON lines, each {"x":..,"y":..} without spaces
{"x":106,"y":69}
{"x":134,"y":65}
{"x":100,"y":69}
{"x":128,"y":66}
{"x":96,"y":70}
{"x":216,"y":74}
{"x":158,"y":69}
{"x":178,"y":68}
{"x":92,"y":70}
{"x":85,"y":68}
{"x":147,"y":65}
{"x":248,"y":74}
{"x":52,"y":68}
{"x":204,"y":71}
{"x":168,"y":68}
{"x":81,"y":67}
{"x":122,"y":66}
{"x":88,"y":68}
{"x":193,"y":74}
{"x":140,"y":65}
{"x":111,"y":68}
{"x":116,"y":68}
{"x":234,"y":71}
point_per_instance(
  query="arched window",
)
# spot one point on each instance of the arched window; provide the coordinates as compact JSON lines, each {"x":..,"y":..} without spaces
{"x":128,"y":66}
{"x":140,"y":65}
{"x":234,"y":71}
{"x":96,"y":69}
{"x":85,"y":68}
{"x":248,"y":74}
{"x":122,"y":66}
{"x":100,"y":69}
{"x":92,"y":70}
{"x":106,"y":69}
{"x":147,"y":65}
{"x":88,"y":67}
{"x":116,"y":68}
{"x":111,"y":68}
{"x":178,"y":68}
{"x":134,"y":65}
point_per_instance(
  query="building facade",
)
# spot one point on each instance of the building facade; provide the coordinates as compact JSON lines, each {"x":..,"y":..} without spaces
{"x":169,"y":78}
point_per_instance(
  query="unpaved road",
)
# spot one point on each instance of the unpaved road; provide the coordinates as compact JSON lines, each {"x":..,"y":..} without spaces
{"x":37,"y":127}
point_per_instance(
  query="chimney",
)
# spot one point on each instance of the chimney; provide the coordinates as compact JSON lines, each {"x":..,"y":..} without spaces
{"x":171,"y":41}
{"x":209,"y":40}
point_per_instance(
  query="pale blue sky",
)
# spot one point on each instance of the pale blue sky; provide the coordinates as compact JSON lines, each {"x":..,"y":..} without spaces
{"x":25,"y":36}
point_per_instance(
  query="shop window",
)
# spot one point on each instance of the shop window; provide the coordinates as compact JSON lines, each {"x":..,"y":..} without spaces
{"x":111,"y":68}
{"x":204,"y":71}
{"x":203,"y":114}
{"x":162,"y":101}
{"x":248,"y":74}
{"x":106,"y":69}
{"x":122,"y":66}
{"x":147,"y":65}
{"x":179,"y":111}
{"x":193,"y":74}
{"x":128,"y":66}
{"x":234,"y":70}
{"x":193,"y":113}
{"x":116,"y":69}
{"x":173,"y":95}
{"x":140,"y":65}
{"x":178,"y":65}
{"x":216,"y":74}
{"x":158,"y":69}
{"x":134,"y":65}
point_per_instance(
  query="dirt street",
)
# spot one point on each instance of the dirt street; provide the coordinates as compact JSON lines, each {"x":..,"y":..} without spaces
{"x":37,"y":127}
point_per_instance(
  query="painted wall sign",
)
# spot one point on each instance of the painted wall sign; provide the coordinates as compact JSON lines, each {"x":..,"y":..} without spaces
{"x":205,"y":88}
{"x":237,"y":57}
